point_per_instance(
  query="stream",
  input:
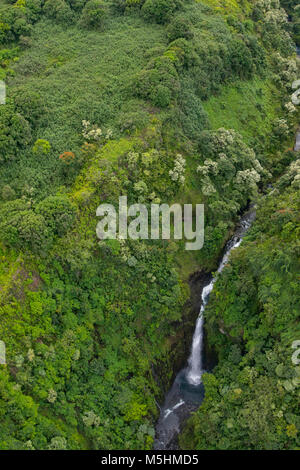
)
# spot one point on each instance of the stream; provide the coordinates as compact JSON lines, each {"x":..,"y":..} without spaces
{"x":187,"y":391}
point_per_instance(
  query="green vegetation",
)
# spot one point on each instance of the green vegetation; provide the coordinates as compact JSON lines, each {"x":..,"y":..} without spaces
{"x":162,"y":101}
{"x":252,"y":319}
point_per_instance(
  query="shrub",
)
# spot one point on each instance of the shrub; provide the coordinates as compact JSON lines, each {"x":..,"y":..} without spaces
{"x":41,"y":147}
{"x":16,"y":20}
{"x":21,"y":228}
{"x":159,"y":11}
{"x":33,"y":232}
{"x":181,"y":52}
{"x":158,"y":82}
{"x":179,"y":27}
{"x":58,"y":212}
{"x":122,"y":5}
{"x":33,"y":10}
{"x":30,"y":104}
{"x":58,"y":10}
{"x":76,"y":5}
{"x":161,"y":96}
{"x":193,"y":118}
{"x":15,"y":133}
{"x":241,"y":60}
{"x":58,"y":443}
{"x":4,"y":31}
{"x":22,"y":27}
{"x":7,"y":193}
{"x":131,"y":121}
{"x":93,"y":14}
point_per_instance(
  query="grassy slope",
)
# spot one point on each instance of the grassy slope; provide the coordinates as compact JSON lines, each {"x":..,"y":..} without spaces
{"x":239,"y":106}
{"x":81,"y":75}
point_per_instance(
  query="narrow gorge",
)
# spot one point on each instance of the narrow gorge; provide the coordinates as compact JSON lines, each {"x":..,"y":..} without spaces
{"x":187,"y":391}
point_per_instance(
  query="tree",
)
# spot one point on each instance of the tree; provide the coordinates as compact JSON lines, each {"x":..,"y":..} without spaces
{"x":41,"y":147}
{"x":29,"y":104}
{"x":93,"y":14}
{"x":159,"y":11}
{"x":58,"y":212}
{"x":20,"y":227}
{"x":59,"y":10}
{"x":179,"y":27}
{"x":15,"y":133}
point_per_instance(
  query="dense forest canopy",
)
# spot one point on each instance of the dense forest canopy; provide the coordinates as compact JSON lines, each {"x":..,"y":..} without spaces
{"x":163,"y":101}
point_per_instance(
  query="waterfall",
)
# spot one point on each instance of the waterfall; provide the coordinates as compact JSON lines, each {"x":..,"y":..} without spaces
{"x":195,"y":367}
{"x":194,"y":371}
{"x":187,"y":391}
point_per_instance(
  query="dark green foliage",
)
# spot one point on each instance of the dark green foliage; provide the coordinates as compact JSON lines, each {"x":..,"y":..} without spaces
{"x":159,"y":11}
{"x":58,"y":213}
{"x":29,"y":104}
{"x":293,"y":11}
{"x":7,"y":193}
{"x":193,"y":118}
{"x":15,"y":133}
{"x":16,"y":21}
{"x":32,"y":231}
{"x":93,"y":14}
{"x":127,"y":5}
{"x":179,"y":27}
{"x":76,"y":5}
{"x":58,"y":10}
{"x":22,"y":228}
{"x":158,"y":82}
{"x":240,"y":59}
{"x":33,"y":10}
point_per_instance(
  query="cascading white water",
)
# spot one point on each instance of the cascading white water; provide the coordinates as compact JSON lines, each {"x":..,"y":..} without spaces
{"x":187,"y":391}
{"x":195,"y":370}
